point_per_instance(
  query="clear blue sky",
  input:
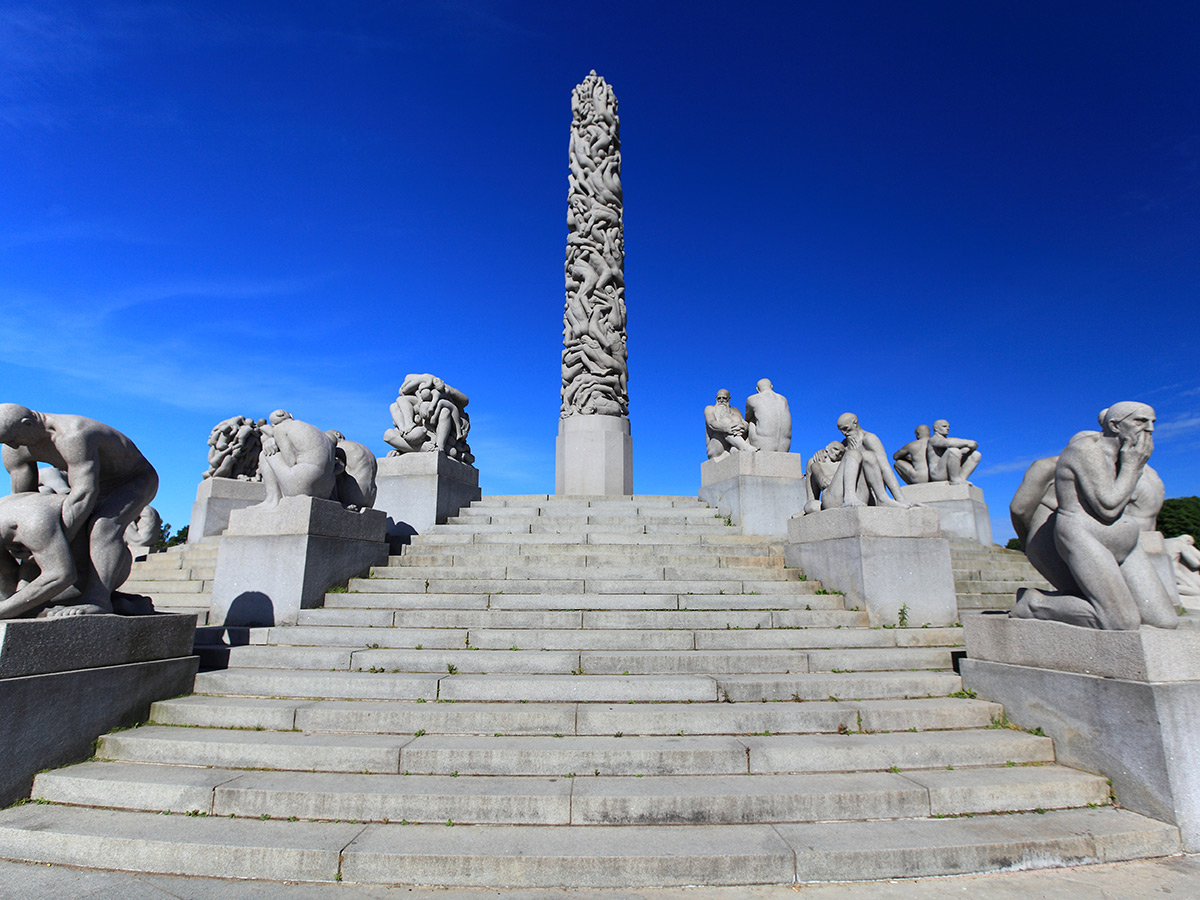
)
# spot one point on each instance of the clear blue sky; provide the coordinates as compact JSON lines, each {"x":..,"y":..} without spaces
{"x":985,"y":212}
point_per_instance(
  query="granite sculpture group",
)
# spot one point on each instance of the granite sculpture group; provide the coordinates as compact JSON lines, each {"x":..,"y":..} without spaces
{"x":64,"y":554}
{"x":429,"y":415}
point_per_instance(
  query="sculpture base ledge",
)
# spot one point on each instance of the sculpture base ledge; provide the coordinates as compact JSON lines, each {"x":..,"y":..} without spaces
{"x":962,"y":512}
{"x":419,"y":490}
{"x":216,"y":498}
{"x":1138,"y":724}
{"x":274,"y":562}
{"x":65,"y":682}
{"x":593,"y":456}
{"x":881,"y":558}
{"x":759,"y":491}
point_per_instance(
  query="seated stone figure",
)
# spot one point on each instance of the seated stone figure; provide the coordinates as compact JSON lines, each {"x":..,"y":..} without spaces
{"x":725,"y":428}
{"x":864,"y":475}
{"x":768,"y":419}
{"x":1085,"y":541}
{"x":356,"y":469}
{"x":110,"y":483}
{"x":819,"y":474}
{"x":297,"y":460}
{"x":1185,"y":560}
{"x":429,"y":415}
{"x":950,"y":459}
{"x":910,"y":460}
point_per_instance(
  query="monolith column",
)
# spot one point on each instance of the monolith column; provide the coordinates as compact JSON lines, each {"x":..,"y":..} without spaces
{"x":594,"y":450}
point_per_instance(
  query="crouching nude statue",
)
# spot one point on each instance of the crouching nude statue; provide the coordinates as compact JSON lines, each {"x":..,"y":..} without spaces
{"x":110,"y":482}
{"x":1080,"y":516}
{"x":297,"y":460}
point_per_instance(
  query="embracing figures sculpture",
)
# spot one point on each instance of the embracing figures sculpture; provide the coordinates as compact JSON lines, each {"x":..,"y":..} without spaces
{"x":1080,"y":515}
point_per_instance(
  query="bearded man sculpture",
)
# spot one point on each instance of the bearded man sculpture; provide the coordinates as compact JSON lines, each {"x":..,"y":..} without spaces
{"x":1084,"y":541}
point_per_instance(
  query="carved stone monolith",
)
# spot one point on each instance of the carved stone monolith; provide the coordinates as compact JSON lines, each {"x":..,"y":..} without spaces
{"x":594,"y":451}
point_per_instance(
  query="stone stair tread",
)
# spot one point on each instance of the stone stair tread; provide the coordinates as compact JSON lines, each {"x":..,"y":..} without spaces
{"x":556,"y":800}
{"x":553,"y":856}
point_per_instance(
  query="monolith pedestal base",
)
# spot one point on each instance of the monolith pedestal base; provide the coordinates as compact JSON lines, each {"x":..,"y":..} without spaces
{"x":216,"y":498}
{"x":594,"y":455}
{"x":1123,"y":704}
{"x":758,"y":491}
{"x":882,"y":558}
{"x":961,"y":511}
{"x":420,"y":490}
{"x":274,"y":562}
{"x":65,"y":682}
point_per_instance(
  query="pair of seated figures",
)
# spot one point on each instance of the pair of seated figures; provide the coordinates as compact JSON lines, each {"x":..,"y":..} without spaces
{"x":767,"y":425}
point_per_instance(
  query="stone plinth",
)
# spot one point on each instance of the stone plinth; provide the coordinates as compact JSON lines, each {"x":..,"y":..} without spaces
{"x":274,"y":562}
{"x":64,"y":682}
{"x":420,"y":490}
{"x":882,"y":558}
{"x":593,"y":455}
{"x":758,"y":491}
{"x":961,"y":511}
{"x":216,"y":498}
{"x":1124,"y":704}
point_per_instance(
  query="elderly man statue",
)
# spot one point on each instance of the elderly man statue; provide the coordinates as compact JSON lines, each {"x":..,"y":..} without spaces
{"x":950,"y":459}
{"x":725,"y":428}
{"x":865,"y":462}
{"x":110,"y":483}
{"x":911,"y":461}
{"x":1087,"y":546}
{"x":768,"y":418}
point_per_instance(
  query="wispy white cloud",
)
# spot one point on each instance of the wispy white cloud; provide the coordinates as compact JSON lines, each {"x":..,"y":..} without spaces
{"x":1176,"y":427}
{"x":1012,"y":465}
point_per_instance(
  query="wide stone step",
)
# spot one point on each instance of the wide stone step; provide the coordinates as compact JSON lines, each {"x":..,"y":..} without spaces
{"x":836,"y":685}
{"x":684,"y":553}
{"x":464,"y":687}
{"x":162,"y":587}
{"x":582,"y":800}
{"x":409,"y":717}
{"x":437,"y":754}
{"x":553,"y":856}
{"x":603,"y":572}
{"x":495,"y":618}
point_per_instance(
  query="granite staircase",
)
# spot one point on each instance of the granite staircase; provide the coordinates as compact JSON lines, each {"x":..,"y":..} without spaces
{"x":570,"y":692}
{"x":989,"y":577}
{"x":178,"y":580}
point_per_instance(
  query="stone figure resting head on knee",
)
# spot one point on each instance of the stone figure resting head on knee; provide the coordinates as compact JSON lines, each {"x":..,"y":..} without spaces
{"x":725,"y":428}
{"x":1104,"y":494}
{"x":297,"y":460}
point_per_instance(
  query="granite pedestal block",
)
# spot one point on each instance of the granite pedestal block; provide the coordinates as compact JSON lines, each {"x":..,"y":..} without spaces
{"x":216,"y":498}
{"x":758,"y":491}
{"x":961,"y":511}
{"x":1123,"y":704}
{"x":593,"y":455}
{"x":882,"y":558}
{"x":65,"y":682}
{"x":274,"y":562}
{"x":420,"y":490}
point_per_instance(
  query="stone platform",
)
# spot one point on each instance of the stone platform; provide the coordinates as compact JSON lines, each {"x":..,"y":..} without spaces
{"x":216,"y":498}
{"x":1124,"y":704}
{"x":758,"y":491}
{"x":274,"y":562}
{"x":962,"y":513}
{"x":64,"y":682}
{"x":419,"y":490}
